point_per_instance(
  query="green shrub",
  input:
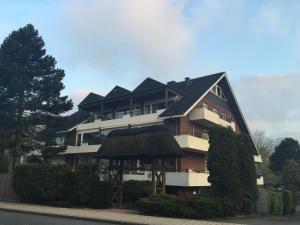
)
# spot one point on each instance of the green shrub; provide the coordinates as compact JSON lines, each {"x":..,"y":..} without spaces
{"x":230,"y":207}
{"x":84,"y":177}
{"x":41,"y":183}
{"x":165,"y":205}
{"x":206,"y":207}
{"x":275,"y":202}
{"x":134,"y":190}
{"x":101,"y":195}
{"x":88,"y":190}
{"x":172,"y":206}
{"x":287,"y":200}
{"x":57,"y":184}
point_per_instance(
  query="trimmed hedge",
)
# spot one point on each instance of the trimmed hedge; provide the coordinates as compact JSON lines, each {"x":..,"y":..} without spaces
{"x":275,"y":202}
{"x":134,"y":190}
{"x":281,"y":202}
{"x":46,"y":183}
{"x":88,"y":190}
{"x":165,"y":205}
{"x":206,"y":207}
{"x":288,"y":205}
{"x":40,"y":183}
{"x":172,"y":206}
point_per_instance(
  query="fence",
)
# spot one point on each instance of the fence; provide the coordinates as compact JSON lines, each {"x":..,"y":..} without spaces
{"x":6,"y":190}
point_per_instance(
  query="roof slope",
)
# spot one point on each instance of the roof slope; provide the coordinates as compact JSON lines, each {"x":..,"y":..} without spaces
{"x":117,"y":91}
{"x":146,"y":142}
{"x":192,"y":90}
{"x":73,"y":120}
{"x":148,"y":84}
{"x":92,"y":97}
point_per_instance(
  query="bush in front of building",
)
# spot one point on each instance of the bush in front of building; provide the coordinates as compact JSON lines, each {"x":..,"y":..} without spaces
{"x":42,"y":183}
{"x":195,"y":207}
{"x":133,"y":190}
{"x":288,"y":203}
{"x":206,"y":207}
{"x":55,"y":184}
{"x":165,"y":205}
{"x":101,"y":195}
{"x":275,"y":202}
{"x":88,"y":190}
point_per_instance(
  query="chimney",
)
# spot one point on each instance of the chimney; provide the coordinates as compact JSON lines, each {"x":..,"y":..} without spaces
{"x":187,"y":81}
{"x":171,"y":82}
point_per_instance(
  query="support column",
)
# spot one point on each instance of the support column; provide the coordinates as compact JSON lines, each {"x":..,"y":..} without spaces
{"x":131,"y":105}
{"x":163,"y":171}
{"x":166,"y":98}
{"x":153,"y":170}
{"x":121,"y":184}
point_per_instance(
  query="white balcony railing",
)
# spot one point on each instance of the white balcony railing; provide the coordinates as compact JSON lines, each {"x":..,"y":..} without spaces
{"x":122,"y":122}
{"x":187,"y":179}
{"x":205,"y":114}
{"x":260,"y":181}
{"x":257,"y":158}
{"x":188,"y":141}
{"x":83,"y":148}
{"x":183,"y":179}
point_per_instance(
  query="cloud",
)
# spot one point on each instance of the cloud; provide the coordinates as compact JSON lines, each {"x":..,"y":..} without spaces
{"x":148,"y":36}
{"x":271,"y":103}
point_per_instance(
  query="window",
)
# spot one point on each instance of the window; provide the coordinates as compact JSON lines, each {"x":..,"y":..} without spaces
{"x":119,"y":114}
{"x":78,"y":140}
{"x":60,"y":140}
{"x":147,"y":109}
{"x":158,"y":106}
{"x":223,"y":116}
{"x":92,"y":138}
{"x":205,"y":106}
{"x":217,"y":90}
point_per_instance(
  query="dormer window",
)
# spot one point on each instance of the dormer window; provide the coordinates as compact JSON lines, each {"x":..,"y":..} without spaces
{"x":217,"y":90}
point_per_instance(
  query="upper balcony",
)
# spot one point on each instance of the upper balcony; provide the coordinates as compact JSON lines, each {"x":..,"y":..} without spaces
{"x":82,"y":149}
{"x":124,"y":121}
{"x":209,"y":118}
{"x":192,"y":142}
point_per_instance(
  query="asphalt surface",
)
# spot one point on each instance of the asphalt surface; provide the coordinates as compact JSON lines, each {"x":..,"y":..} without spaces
{"x":268,"y":220}
{"x":16,"y":218}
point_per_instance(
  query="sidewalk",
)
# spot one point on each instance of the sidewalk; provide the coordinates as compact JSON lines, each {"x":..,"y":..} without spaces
{"x":104,"y":215}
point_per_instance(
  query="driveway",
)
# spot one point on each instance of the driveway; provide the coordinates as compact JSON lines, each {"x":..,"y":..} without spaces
{"x":17,"y":218}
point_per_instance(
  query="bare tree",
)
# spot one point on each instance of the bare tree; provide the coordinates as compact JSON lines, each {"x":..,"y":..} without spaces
{"x":265,"y":145}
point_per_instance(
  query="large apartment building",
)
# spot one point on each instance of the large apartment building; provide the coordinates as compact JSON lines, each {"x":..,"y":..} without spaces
{"x":188,"y":108}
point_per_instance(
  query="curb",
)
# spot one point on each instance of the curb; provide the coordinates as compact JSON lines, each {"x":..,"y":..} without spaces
{"x":70,"y":217}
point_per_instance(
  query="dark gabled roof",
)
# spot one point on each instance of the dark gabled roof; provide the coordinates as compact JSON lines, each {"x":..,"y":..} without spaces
{"x":145,"y":142}
{"x":92,"y":97}
{"x":192,"y":90}
{"x":148,"y":84}
{"x":117,"y":91}
{"x":73,"y":120}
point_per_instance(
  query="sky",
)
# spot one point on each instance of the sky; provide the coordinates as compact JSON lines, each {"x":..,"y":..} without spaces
{"x":103,"y":43}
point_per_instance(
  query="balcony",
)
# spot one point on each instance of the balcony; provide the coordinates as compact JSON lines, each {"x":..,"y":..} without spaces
{"x":187,"y":179}
{"x":209,"y":118}
{"x":257,"y":158}
{"x":260,"y":181}
{"x":188,"y":141}
{"x":123,"y":121}
{"x":83,"y":148}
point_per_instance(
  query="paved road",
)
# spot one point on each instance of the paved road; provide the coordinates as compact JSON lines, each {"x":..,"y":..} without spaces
{"x":14,"y":218}
{"x":268,"y":220}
